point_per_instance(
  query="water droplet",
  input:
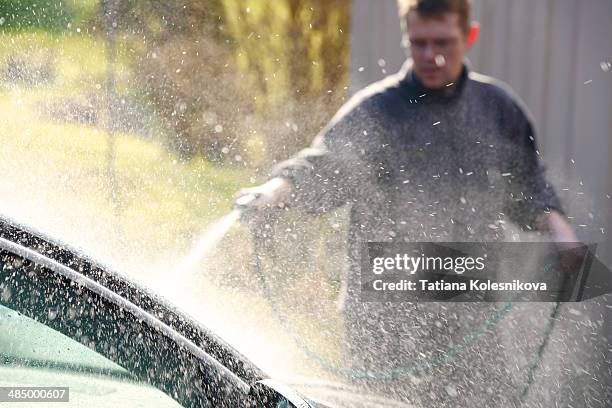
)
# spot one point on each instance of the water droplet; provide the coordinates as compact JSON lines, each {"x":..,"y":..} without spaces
{"x":451,"y":391}
{"x":5,"y":295}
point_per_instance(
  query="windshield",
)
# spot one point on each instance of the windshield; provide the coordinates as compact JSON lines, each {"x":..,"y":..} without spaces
{"x":128,"y":129}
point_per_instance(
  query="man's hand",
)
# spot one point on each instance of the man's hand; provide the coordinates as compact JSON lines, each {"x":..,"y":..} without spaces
{"x":571,"y":251}
{"x":272,"y":194}
{"x":557,"y":227}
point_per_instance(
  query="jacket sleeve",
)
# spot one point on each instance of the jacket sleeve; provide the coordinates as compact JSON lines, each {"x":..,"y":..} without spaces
{"x":324,"y":175}
{"x":529,"y":194}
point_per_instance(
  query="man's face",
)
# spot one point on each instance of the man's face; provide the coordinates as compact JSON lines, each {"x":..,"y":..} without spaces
{"x":437,"y":45}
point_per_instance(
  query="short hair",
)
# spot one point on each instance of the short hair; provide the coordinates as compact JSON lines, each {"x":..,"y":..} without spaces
{"x":436,"y":8}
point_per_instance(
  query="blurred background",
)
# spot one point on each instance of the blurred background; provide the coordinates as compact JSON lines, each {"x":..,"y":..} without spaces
{"x":127,"y":126}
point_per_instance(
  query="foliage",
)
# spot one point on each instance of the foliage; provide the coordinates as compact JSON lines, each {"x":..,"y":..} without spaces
{"x":294,"y":55}
{"x":49,"y":14}
{"x":229,"y":76}
{"x":53,"y":15}
{"x":290,"y":48}
{"x":183,"y":69}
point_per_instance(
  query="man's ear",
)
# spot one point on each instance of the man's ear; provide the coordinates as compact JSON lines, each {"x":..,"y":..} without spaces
{"x":474,"y":33}
{"x":404,"y":28}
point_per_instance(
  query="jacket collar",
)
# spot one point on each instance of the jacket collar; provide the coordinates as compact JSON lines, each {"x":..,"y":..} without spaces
{"x":414,"y":88}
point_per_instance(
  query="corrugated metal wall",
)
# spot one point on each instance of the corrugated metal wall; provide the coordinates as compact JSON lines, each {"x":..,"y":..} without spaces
{"x":553,"y":53}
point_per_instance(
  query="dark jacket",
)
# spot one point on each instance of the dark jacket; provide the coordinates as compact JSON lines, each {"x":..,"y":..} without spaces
{"x":417,"y":165}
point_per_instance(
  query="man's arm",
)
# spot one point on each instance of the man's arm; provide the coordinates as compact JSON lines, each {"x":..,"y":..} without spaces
{"x":325,"y":175}
{"x":533,"y":202}
{"x":571,"y":252}
{"x":315,"y":180}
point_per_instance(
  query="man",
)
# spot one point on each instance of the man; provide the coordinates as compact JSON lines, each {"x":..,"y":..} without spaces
{"x":433,"y":153}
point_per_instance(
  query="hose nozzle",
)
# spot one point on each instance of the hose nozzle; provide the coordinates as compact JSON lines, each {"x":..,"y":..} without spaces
{"x":244,"y":205}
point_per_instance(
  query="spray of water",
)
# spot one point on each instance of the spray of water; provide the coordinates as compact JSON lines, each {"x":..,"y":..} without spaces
{"x":207,"y":241}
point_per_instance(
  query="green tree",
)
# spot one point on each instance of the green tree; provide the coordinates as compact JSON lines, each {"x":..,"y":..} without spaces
{"x":294,"y":55}
{"x":182,"y":63}
{"x":45,"y":14}
{"x":227,"y":76}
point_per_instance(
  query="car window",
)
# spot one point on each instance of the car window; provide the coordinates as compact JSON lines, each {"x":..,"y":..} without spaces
{"x":26,"y":341}
{"x":34,"y":355}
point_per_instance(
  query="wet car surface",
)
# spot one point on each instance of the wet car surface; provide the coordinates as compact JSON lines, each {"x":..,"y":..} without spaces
{"x":68,"y":321}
